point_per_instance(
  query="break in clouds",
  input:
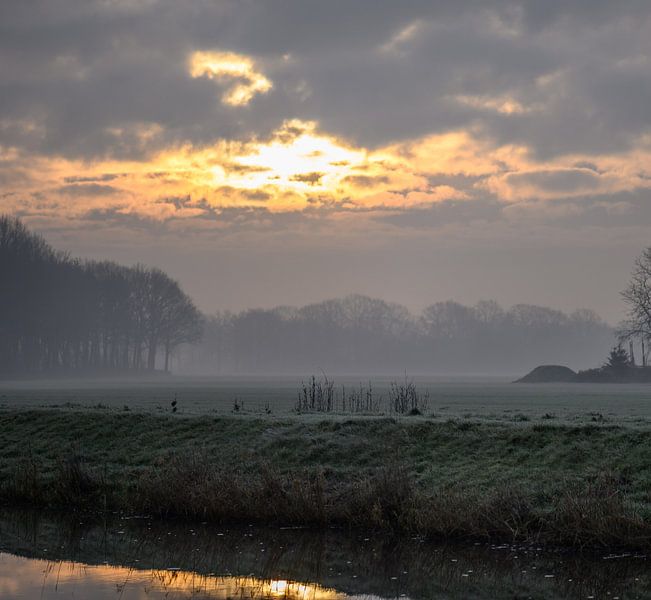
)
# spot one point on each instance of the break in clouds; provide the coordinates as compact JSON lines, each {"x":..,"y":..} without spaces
{"x":308,"y":132}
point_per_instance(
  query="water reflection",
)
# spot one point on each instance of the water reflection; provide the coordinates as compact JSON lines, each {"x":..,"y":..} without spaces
{"x":52,"y":557}
{"x":27,"y":578}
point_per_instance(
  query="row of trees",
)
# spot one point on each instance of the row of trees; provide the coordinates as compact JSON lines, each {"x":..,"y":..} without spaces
{"x":59,"y":314}
{"x":358,"y":334}
{"x":66,"y":315}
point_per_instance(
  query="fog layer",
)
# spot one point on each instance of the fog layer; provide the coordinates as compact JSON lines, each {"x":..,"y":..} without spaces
{"x":358,"y":334}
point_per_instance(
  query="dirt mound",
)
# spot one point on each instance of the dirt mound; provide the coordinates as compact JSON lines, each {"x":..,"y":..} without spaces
{"x":549,"y":374}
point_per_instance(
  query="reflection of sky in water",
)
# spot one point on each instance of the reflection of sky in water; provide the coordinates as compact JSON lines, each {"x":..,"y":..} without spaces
{"x":26,"y":579}
{"x":173,"y":561}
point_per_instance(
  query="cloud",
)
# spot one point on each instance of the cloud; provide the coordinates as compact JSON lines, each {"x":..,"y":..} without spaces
{"x":366,"y":181}
{"x":396,"y":44}
{"x":87,"y":189}
{"x":501,"y":104}
{"x":550,"y":182}
{"x":569,"y":78}
{"x":93,"y":179}
{"x":230,"y":66}
{"x":311,"y":178}
{"x":299,"y":168}
{"x":486,"y":121}
{"x":442,"y":214}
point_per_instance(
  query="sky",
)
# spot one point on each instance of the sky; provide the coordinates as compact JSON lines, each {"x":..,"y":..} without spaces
{"x":279,"y":152}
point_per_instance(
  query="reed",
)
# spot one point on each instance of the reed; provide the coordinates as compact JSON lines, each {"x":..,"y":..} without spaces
{"x":321,"y":395}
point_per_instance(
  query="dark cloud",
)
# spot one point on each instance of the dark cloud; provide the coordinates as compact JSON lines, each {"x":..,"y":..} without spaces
{"x":92,"y":179}
{"x":588,"y":212}
{"x":586,"y":13}
{"x":559,"y":180}
{"x":445,"y":213}
{"x":178,"y":201}
{"x":313,"y":178}
{"x":101,"y":78}
{"x":229,"y":220}
{"x":237,"y":168}
{"x":88,"y":189}
{"x":248,"y":193}
{"x":115,"y":217}
{"x":365,"y":180}
{"x":619,"y":210}
{"x":584,"y":164}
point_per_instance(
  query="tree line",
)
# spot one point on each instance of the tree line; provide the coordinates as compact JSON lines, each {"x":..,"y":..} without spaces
{"x":358,"y":334}
{"x":61,"y":314}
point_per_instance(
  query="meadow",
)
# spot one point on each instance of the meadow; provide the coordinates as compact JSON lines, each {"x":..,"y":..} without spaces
{"x":479,"y":459}
{"x":482,"y":460}
{"x":482,"y":398}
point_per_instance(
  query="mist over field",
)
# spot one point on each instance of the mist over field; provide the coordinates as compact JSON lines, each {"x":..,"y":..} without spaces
{"x":63,"y":316}
{"x":362,"y":335}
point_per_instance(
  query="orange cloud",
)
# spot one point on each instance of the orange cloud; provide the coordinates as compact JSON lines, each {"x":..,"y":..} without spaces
{"x":299,"y":167}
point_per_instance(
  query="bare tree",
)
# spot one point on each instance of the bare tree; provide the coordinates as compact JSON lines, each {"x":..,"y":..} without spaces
{"x":181,"y":321}
{"x":637,"y":296}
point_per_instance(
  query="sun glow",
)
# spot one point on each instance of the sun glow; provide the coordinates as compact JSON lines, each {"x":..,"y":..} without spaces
{"x":28,"y":578}
{"x":296,"y":158}
{"x":296,"y":168}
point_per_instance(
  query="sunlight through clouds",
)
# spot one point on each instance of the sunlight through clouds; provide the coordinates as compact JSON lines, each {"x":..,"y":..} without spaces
{"x":238,"y":69}
{"x":300,"y":167}
{"x":297,"y":157}
{"x":473,"y":124}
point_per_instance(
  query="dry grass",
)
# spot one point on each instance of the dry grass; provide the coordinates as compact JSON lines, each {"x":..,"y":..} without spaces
{"x":321,"y":395}
{"x":563,"y":485}
{"x":390,"y":500}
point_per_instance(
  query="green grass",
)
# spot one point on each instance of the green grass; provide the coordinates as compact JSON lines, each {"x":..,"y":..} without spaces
{"x":443,"y":478}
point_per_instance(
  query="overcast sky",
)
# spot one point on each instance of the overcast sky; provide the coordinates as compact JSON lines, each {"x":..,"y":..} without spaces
{"x":280,"y":152}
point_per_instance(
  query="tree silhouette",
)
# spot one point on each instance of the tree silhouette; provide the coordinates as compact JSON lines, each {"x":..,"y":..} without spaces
{"x":59,"y":314}
{"x":357,"y":334}
{"x":637,"y":296}
{"x":618,"y":359}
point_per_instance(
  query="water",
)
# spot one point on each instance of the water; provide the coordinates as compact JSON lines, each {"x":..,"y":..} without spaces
{"x":54,"y":557}
{"x":477,"y":398}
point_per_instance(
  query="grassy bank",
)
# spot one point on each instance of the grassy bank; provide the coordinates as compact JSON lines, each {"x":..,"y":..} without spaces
{"x":581,"y":486}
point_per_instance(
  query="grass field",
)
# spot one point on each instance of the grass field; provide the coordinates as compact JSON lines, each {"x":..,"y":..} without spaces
{"x":485,"y":399}
{"x":571,"y":484}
